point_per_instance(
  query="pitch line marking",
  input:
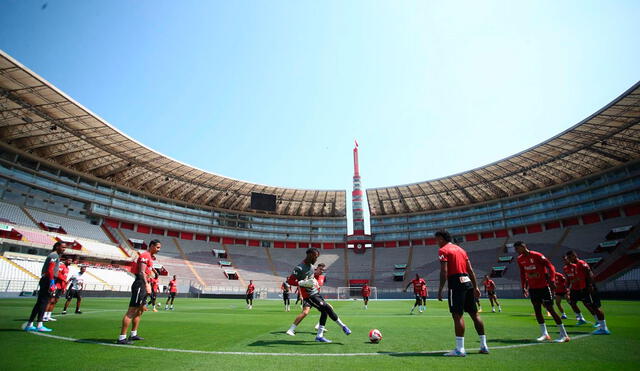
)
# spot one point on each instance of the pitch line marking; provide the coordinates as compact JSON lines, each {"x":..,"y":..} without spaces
{"x":193,"y":351}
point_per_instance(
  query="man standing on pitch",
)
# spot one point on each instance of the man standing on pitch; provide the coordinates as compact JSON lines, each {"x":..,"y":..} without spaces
{"x":140,"y":288}
{"x":420,"y":291}
{"x":365,"y":292}
{"x":455,"y":268}
{"x":490,"y":290}
{"x":173,"y":290}
{"x":47,"y":286}
{"x":537,"y":276}
{"x":249,"y":294}
{"x":302,"y":276}
{"x":76,"y":285}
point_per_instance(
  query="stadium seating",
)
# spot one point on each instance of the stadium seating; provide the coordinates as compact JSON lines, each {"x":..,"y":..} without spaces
{"x":72,"y":226}
{"x":9,"y":271}
{"x":386,"y":258}
{"x":360,"y":265}
{"x":15,"y":215}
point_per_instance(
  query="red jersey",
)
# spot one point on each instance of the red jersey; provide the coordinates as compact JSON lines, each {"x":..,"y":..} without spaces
{"x":143,"y":257}
{"x":250,"y":289}
{"x":455,"y":257}
{"x":320,"y":278}
{"x":534,"y":268}
{"x":154,"y":284}
{"x":561,"y":282}
{"x":61,"y":280}
{"x":366,"y":291}
{"x":419,"y":286}
{"x":577,"y":274}
{"x":489,"y":285}
{"x":173,"y":286}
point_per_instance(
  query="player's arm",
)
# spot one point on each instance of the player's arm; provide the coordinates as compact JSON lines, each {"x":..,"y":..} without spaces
{"x":443,"y":278}
{"x":472,"y":275}
{"x":523,"y":281}
{"x":589,"y":277}
{"x":143,"y":268}
{"x":405,"y":289}
{"x":69,"y":283}
{"x":551,"y":270}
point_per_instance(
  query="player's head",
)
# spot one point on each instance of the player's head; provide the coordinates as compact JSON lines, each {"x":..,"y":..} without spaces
{"x":320,"y":268}
{"x":174,"y":277}
{"x":442,"y":237}
{"x":250,"y":282}
{"x":486,"y":277}
{"x":565,"y":259}
{"x":67,"y":259}
{"x":154,"y":246}
{"x":312,"y":255}
{"x":520,"y":247}
{"x":417,"y":276}
{"x":83,"y":269}
{"x":59,"y":247}
{"x":572,"y":256}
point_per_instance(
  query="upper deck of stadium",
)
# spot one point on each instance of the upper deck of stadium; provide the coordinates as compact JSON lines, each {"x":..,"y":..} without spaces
{"x":39,"y":120}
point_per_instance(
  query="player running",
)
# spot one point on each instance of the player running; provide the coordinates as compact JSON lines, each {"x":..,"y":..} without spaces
{"x":47,"y":286}
{"x":537,"y":276}
{"x":365,"y":292}
{"x":580,"y":320}
{"x":153,"y":281}
{"x":561,"y":292}
{"x":421,"y":291}
{"x":319,"y":275}
{"x":285,"y":296}
{"x":455,"y":268}
{"x":583,"y":289}
{"x":302,"y":276}
{"x":249,"y":294}
{"x":74,"y":290}
{"x":173,"y":290}
{"x":61,"y":286}
{"x":140,"y":288}
{"x":490,"y":291}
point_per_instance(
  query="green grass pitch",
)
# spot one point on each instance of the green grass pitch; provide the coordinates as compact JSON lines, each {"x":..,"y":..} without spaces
{"x":217,"y":325}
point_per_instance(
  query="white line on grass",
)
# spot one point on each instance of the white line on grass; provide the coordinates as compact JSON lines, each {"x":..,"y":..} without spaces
{"x":282,"y":354}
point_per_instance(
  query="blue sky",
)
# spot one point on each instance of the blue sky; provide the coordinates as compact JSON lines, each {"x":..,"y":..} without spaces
{"x":274,"y":92}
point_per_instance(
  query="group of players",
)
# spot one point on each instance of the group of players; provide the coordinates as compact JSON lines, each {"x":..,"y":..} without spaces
{"x":539,"y":278}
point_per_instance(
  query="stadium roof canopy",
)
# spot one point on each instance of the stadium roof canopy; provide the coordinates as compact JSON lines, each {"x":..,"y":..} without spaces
{"x":605,"y":140}
{"x":39,"y":119}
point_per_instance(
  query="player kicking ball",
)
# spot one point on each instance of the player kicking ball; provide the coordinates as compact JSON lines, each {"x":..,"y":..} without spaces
{"x":455,"y":268}
{"x":302,"y":276}
{"x":537,"y":276}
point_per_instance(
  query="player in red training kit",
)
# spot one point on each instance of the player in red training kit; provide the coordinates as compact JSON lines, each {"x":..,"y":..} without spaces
{"x":420,"y":291}
{"x":583,"y":289}
{"x":61,"y":286}
{"x":455,"y":268}
{"x":153,"y":281}
{"x":173,"y":290}
{"x":568,"y":271}
{"x":537,"y":276}
{"x":286,"y":289}
{"x":140,"y":288}
{"x":365,"y":292}
{"x":490,"y":290}
{"x":561,"y":292}
{"x":249,"y":293}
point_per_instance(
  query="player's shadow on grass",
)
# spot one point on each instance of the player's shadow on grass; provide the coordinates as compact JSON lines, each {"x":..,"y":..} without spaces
{"x":268,"y":343}
{"x":96,"y":341}
{"x":513,"y":341}
{"x":12,"y":330}
{"x":439,"y":355}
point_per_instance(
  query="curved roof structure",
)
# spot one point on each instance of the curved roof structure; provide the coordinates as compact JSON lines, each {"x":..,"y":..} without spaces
{"x":37,"y":118}
{"x":607,"y":139}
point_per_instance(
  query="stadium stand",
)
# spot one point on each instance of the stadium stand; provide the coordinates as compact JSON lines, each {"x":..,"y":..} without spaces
{"x":72,"y":226}
{"x":14,"y":214}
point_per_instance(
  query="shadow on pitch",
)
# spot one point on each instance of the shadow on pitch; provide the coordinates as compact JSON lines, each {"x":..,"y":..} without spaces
{"x":268,"y":343}
{"x":12,"y":330}
{"x":513,"y":341}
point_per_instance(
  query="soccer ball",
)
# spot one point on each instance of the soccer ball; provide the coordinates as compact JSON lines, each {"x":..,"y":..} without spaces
{"x":375,"y":336}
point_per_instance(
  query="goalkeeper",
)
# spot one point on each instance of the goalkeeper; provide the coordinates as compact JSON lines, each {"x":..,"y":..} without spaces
{"x":303,"y":277}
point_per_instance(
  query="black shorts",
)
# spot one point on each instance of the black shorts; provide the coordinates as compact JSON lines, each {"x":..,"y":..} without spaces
{"x":57,"y":294}
{"x":153,"y":295}
{"x":586,"y":296}
{"x":138,"y":294}
{"x":561,"y":294}
{"x":172,"y":295}
{"x":541,"y":296}
{"x":71,"y":293}
{"x":306,"y":303}
{"x":315,"y":300}
{"x":365,"y":298}
{"x":285,"y":295}
{"x":250,"y":296}
{"x":461,"y":297}
{"x":491,"y":293}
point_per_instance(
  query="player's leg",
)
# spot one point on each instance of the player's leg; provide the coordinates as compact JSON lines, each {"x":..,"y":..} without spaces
{"x":166,"y":304}
{"x":126,"y":322}
{"x":592,"y":302}
{"x":37,"y":313}
{"x":478,"y":324}
{"x":66,"y":305}
{"x":135,"y":322}
{"x":424,"y":303}
{"x":537,"y":310}
{"x":456,"y":301}
{"x":305,"y":311}
{"x":548,"y":304}
{"x":78,"y":302}
{"x":559,"y":305}
{"x":574,"y":297}
{"x":319,"y":303}
{"x":415,"y":304}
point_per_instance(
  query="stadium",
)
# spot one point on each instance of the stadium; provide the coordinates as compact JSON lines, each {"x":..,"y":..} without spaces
{"x":67,"y":175}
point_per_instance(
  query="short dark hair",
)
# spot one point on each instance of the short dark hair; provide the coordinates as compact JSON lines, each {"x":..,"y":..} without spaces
{"x":519,"y":243}
{"x":444,"y":234}
{"x":313,"y":250}
{"x":154,"y":242}
{"x":571,"y":252}
{"x":57,"y":244}
{"x":321,"y":265}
